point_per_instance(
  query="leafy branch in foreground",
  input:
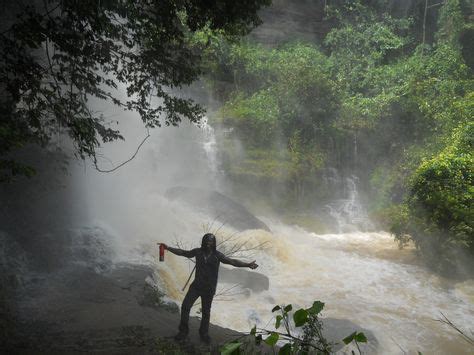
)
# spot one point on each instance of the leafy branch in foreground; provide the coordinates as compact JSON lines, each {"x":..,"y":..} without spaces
{"x":356,"y":337}
{"x":310,"y":340}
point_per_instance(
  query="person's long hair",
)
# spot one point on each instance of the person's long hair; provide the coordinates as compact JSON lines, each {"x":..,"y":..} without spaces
{"x":207,"y":237}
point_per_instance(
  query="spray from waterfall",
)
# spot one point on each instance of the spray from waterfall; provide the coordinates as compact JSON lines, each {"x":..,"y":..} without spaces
{"x":348,"y":212}
{"x":210,"y":148}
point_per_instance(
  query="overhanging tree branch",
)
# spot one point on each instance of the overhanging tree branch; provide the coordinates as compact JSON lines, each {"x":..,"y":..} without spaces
{"x":126,"y":161}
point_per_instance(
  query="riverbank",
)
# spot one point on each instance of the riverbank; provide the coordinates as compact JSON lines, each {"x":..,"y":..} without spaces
{"x":80,"y":310}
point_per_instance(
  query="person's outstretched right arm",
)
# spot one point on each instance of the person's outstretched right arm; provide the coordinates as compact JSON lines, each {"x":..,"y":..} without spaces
{"x":187,"y":253}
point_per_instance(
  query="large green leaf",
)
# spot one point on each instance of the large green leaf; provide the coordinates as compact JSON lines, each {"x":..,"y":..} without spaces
{"x":361,"y":338}
{"x":278,"y":321}
{"x":358,"y":337}
{"x":231,"y":349}
{"x":349,"y":338}
{"x":316,"y":308}
{"x":272,"y":339}
{"x":285,"y":349}
{"x":300,"y":317}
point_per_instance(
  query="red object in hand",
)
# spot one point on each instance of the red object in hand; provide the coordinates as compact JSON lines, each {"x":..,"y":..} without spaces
{"x":162,"y":252}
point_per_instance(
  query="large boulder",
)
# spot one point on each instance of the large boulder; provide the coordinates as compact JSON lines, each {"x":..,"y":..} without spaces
{"x":252,"y":280}
{"x":217,"y":206}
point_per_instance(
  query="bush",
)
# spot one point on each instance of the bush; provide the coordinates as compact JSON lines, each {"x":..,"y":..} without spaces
{"x":438,"y":214}
{"x":309,"y":341}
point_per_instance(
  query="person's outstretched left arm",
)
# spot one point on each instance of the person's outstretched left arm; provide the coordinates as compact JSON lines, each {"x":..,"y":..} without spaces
{"x":237,"y":263}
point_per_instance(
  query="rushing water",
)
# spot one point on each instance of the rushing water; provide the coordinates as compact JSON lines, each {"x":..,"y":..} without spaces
{"x":348,"y":212}
{"x":361,"y":276}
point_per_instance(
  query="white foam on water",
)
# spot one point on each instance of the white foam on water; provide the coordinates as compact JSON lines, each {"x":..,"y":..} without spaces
{"x":362,"y":277}
{"x":397,"y":302}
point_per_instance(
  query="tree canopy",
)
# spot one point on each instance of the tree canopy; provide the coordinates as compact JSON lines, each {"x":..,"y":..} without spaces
{"x":385,"y":97}
{"x":57,"y":55}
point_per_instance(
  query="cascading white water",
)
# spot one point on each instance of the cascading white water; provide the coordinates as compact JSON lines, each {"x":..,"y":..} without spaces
{"x":348,"y":212}
{"x":210,"y":147}
{"x":362,"y":277}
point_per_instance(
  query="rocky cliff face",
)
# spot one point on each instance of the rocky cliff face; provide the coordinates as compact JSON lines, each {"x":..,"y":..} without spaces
{"x":86,"y":302}
{"x":288,"y":20}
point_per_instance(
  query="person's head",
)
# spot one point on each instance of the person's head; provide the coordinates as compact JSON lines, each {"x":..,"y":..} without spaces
{"x":208,"y":241}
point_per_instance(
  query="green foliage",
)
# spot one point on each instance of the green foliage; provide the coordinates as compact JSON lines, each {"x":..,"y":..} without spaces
{"x":231,"y":349}
{"x":293,"y":91}
{"x":361,"y":43}
{"x":450,"y":23}
{"x":259,"y":164}
{"x":57,"y":57}
{"x":278,"y":321}
{"x":255,"y":117}
{"x":311,"y":341}
{"x":316,"y":308}
{"x":382,"y":181}
{"x":356,"y":336}
{"x":300,"y":317}
{"x":272,"y":339}
{"x":285,"y":349}
{"x":280,"y":109}
{"x":438,"y":214}
{"x":9,"y":169}
{"x":302,"y":107}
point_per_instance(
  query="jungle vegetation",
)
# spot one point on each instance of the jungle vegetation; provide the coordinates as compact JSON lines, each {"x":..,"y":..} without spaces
{"x":57,"y":56}
{"x":383,"y":96}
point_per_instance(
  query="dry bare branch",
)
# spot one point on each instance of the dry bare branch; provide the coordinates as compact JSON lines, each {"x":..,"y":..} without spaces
{"x":126,"y":161}
{"x":463,"y":335}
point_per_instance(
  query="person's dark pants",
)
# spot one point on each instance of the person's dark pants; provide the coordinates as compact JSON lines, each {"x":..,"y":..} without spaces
{"x":206,"y":300}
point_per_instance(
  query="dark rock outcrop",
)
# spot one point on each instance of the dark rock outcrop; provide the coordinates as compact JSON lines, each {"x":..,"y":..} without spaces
{"x":217,"y":206}
{"x":286,"y":20}
{"x":118,"y":312}
{"x":252,"y":280}
{"x":334,"y":330}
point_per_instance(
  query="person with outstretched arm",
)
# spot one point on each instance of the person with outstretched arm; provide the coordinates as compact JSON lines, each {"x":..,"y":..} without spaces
{"x":204,"y":284}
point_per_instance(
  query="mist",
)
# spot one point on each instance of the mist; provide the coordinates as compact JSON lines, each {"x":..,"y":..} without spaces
{"x":78,"y":247}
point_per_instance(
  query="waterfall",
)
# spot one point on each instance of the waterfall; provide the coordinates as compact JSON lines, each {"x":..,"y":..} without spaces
{"x":349,"y":212}
{"x":363,"y":277}
{"x":208,"y":142}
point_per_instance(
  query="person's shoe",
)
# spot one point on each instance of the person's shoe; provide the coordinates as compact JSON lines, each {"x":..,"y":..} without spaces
{"x":206,"y":339}
{"x":180,"y":336}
